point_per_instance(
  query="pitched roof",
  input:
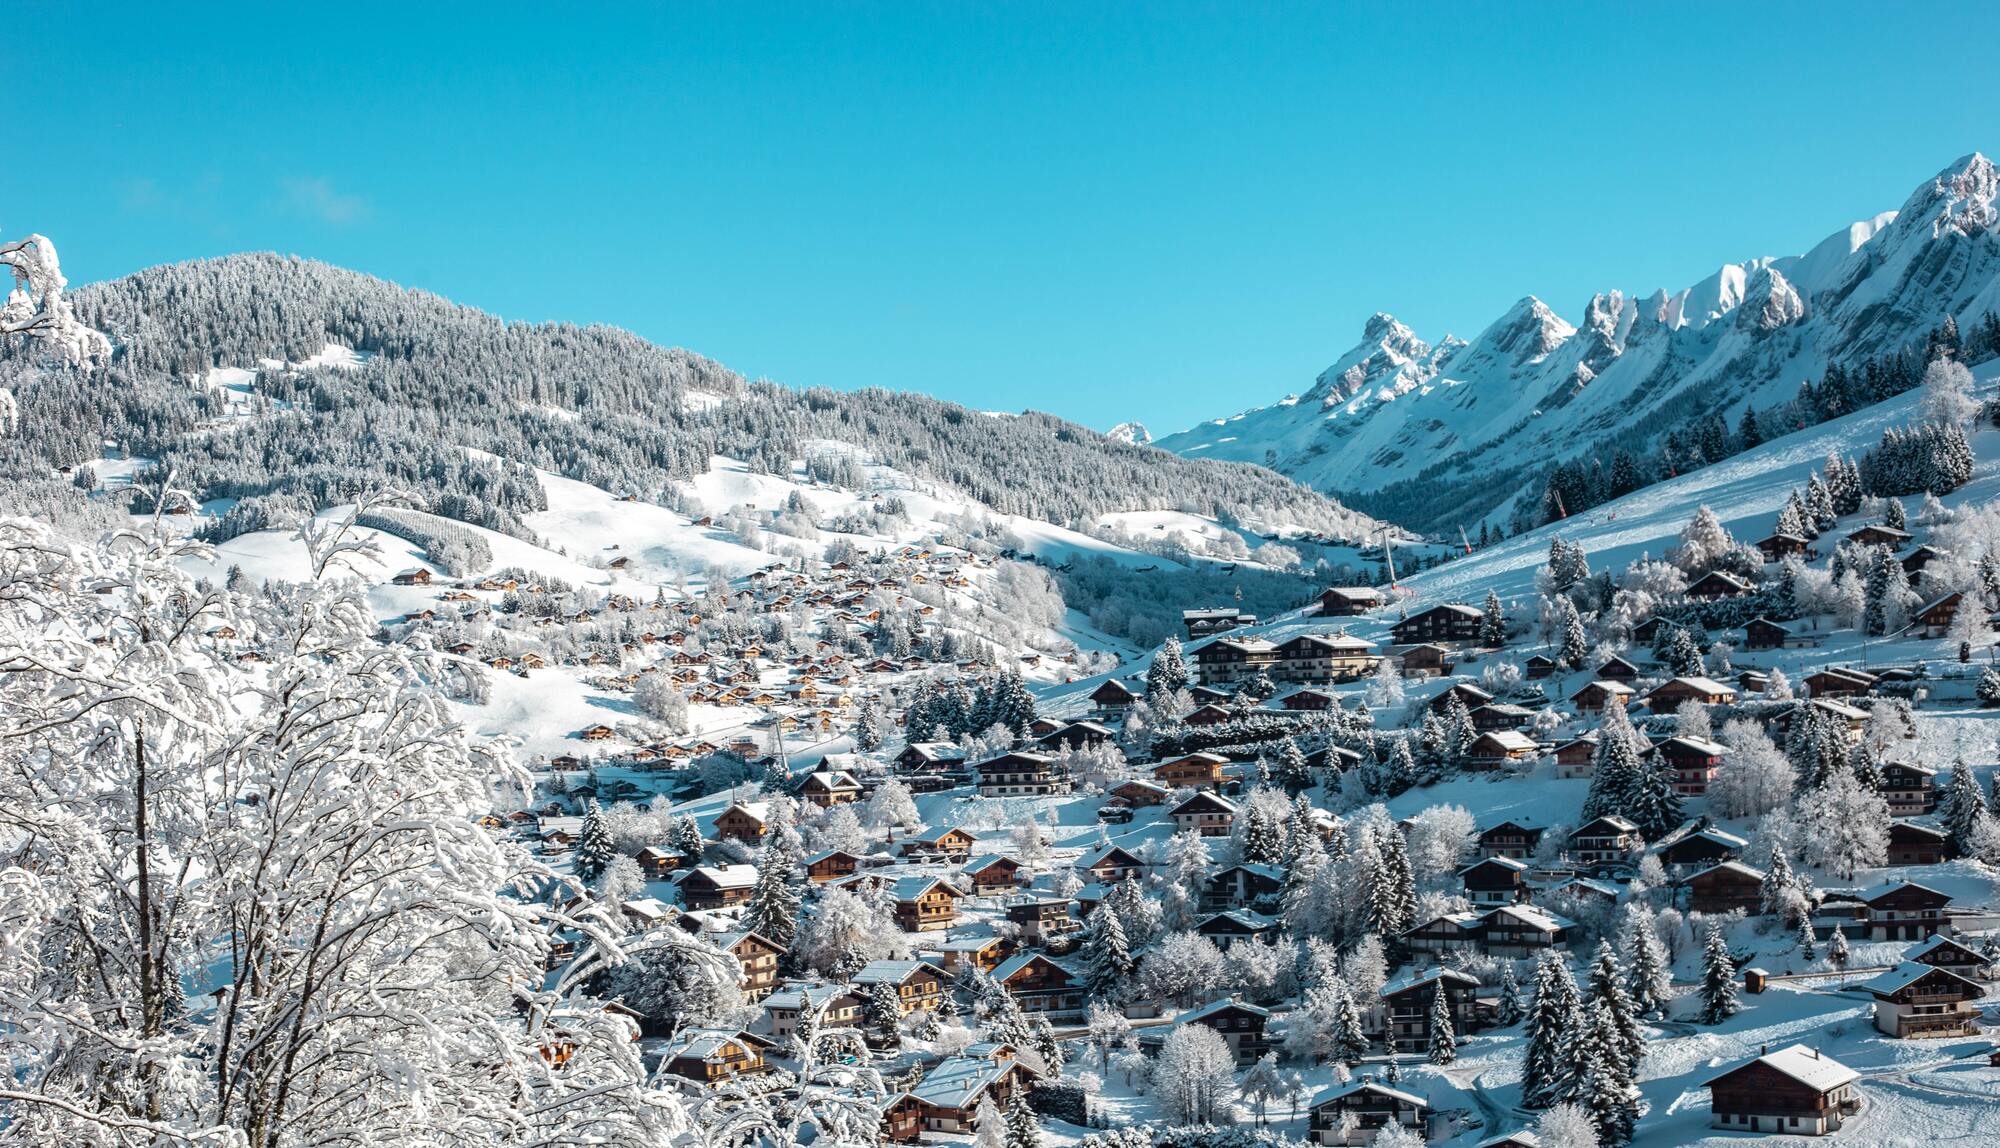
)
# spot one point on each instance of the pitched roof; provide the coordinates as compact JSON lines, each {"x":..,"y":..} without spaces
{"x":1367,"y":1084}
{"x":1805,"y":1065}
{"x":1223,"y":1005}
{"x":1908,"y":973}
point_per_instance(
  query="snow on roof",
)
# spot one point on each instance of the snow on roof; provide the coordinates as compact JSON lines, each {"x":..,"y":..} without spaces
{"x":1367,"y":1084}
{"x":957,"y":1081}
{"x":1705,"y":685}
{"x":1502,"y":862}
{"x":1508,"y":740}
{"x":910,"y":888}
{"x":1019,"y":961}
{"x":1733,"y":867}
{"x":803,"y":996}
{"x":727,"y":876}
{"x":1214,"y":1007}
{"x":1906,"y":974}
{"x":1417,"y":978}
{"x":1876,"y":892}
{"x":1805,"y":1065}
{"x":891,"y":972}
{"x":1539,"y":918}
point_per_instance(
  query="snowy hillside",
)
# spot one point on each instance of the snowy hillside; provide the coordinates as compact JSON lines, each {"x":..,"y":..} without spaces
{"x":1458,"y":430}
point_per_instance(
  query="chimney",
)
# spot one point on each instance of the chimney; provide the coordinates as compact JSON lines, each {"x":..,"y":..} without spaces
{"x":1763,"y":1050}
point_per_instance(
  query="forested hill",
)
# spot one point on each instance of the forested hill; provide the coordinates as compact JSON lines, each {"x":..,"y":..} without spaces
{"x":431,"y":379}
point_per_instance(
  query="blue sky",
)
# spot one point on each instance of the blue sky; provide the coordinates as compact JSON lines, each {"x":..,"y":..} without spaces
{"x":1162,"y":212}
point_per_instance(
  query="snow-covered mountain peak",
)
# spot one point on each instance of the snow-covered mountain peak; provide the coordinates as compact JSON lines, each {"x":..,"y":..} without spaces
{"x":1769,"y":303}
{"x":1961,"y":198}
{"x":1134,"y":433}
{"x":1389,"y":353}
{"x":1528,"y":332}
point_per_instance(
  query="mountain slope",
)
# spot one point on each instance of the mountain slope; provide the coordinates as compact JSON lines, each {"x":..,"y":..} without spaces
{"x":428,"y":382}
{"x":1460,"y":430}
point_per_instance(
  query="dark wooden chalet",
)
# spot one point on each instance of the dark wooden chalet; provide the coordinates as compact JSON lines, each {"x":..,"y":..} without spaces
{"x":1449,"y":622}
{"x":1724,"y":886}
{"x":1796,"y":1090}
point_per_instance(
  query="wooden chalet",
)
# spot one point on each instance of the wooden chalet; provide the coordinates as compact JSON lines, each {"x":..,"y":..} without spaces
{"x":993,"y":874}
{"x":1112,"y":699}
{"x":1019,"y":774}
{"x":1227,"y":660}
{"x":948,"y":1098}
{"x":1426,"y":660}
{"x":1348,"y":601}
{"x":1110,"y":865}
{"x":1077,"y":735}
{"x":924,"y":904}
{"x":1372,"y":1105}
{"x":1448,"y":622}
{"x":1717,"y":584}
{"x":1578,"y":756}
{"x":1232,"y":925}
{"x":918,"y":984}
{"x":836,"y":1006}
{"x":1780,"y":546}
{"x":1916,"y":1000}
{"x":1241,"y":1026}
{"x":1517,"y":931}
{"x":1596,"y":697}
{"x":1241,"y":886}
{"x":716,"y":887}
{"x":1539,"y":666}
{"x":1407,"y":1001}
{"x":1764,"y":634}
{"x":1513,"y":839}
{"x":1876,"y":534}
{"x":1948,"y":953}
{"x":1796,"y":1090}
{"x":1604,"y":840}
{"x":416,"y":577}
{"x":1209,"y":622}
{"x":1901,"y":911}
{"x":1467,"y":694}
{"x":1495,"y":881}
{"x":1207,"y":714}
{"x":1909,"y":788}
{"x":831,"y":865}
{"x":757,"y":955}
{"x":1726,"y":886}
{"x":1915,"y":842}
{"x":1042,"y":985}
{"x":1933,"y":618}
{"x":1192,"y":771}
{"x":1323,"y":658}
{"x":1693,"y":760}
{"x":1617,"y":669}
{"x":1839,"y":682}
{"x":1309,"y":700}
{"x":948,"y":842}
{"x":1696,"y":846}
{"x":1206,"y":813}
{"x":1669,"y":695}
{"x":828,"y":788}
{"x":1499,"y":748}
{"x":711,"y":1057}
{"x":745,"y":821}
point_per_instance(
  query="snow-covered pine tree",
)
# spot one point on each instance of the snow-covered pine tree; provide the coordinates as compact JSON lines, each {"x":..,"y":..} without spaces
{"x":1349,"y":1039}
{"x":773,"y":908}
{"x":1554,"y":1027}
{"x":1609,"y":991}
{"x":1718,"y":979}
{"x":1836,"y":947}
{"x":1651,"y":977}
{"x":882,"y":1011}
{"x":1655,"y":805}
{"x":1572,"y":646}
{"x":1808,"y":941}
{"x":1108,"y":965}
{"x":685,"y":839}
{"x":1509,"y":1011}
{"x":868,"y":728}
{"x":1959,"y":808}
{"x":1615,"y":776}
{"x":1605,"y":1088}
{"x":594,"y":847}
{"x":1442,"y":1047}
{"x":1168,"y":673}
{"x":1492,"y":622}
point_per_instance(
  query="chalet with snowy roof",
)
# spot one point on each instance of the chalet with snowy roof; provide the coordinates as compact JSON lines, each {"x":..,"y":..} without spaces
{"x":1648,"y":630}
{"x":1693,"y":760}
{"x":1909,"y":788}
{"x":983,"y":952}
{"x":1604,"y":840}
{"x":1337,"y":657}
{"x":1578,"y":756}
{"x":1449,"y":622}
{"x":1877,"y":534}
{"x":1764,"y":634}
{"x":1901,"y":911}
{"x":1332,"y":759}
{"x":1916,"y":1000}
{"x":1110,"y":865}
{"x":1780,"y":546}
{"x":832,"y":865}
{"x":1019,"y":774}
{"x":946,"y":842}
{"x":1232,"y":925}
{"x":656,"y":862}
{"x":1227,"y":660}
{"x":1717,"y":584}
{"x":992,"y":874}
{"x":1839,"y":682}
{"x":918,"y":984}
{"x":1918,"y":842}
{"x":949,"y":1095}
{"x":1539,"y":666}
{"x":1467,"y":694}
{"x":1515,"y":839}
{"x":1241,"y":886}
{"x":1042,"y":985}
{"x":1669,"y":695}
{"x":1724,"y":887}
{"x":1933,"y":618}
{"x":1041,"y":920}
{"x":1796,"y":1090}
{"x":1112,"y":699}
{"x":1372,"y":1105}
{"x":1427,"y":660}
{"x":837,"y":1006}
{"x":1208,"y":714}
{"x":930,"y":757}
{"x":1499,"y":748}
{"x":925,"y":904}
{"x":757,"y":955}
{"x":1501,"y":715}
{"x":1206,"y":813}
{"x":1137,"y":794}
{"x":1616,"y":669}
{"x":711,"y":1057}
{"x":596,"y":733}
{"x":1452,"y":932}
{"x":1241,"y":1026}
{"x":416,"y":577}
{"x":1309,"y":700}
{"x":1948,"y":953}
{"x":1597,"y":697}
{"x":1695,"y":846}
{"x":1192,"y":771}
{"x":716,"y":886}
{"x":1515,"y":931}
{"x":1207,"y":623}
{"x":1407,"y":1001}
{"x":1348,"y":601}
{"x":828,"y":788}
{"x":1495,"y":881}
{"x":1077,"y":735}
{"x":745,"y":821}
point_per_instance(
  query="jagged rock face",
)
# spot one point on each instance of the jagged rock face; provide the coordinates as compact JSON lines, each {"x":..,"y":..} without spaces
{"x":1486,"y":417}
{"x":1134,"y":433}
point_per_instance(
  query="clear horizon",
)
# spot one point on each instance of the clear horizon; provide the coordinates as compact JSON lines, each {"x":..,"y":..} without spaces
{"x":1105,"y":217}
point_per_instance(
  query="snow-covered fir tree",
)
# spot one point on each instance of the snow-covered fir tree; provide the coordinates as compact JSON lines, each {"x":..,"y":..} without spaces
{"x":1718,"y":979}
